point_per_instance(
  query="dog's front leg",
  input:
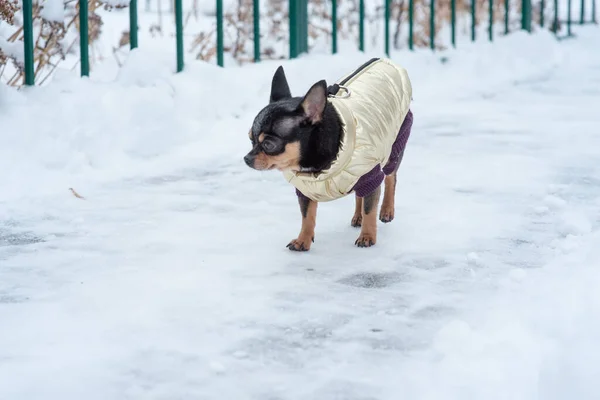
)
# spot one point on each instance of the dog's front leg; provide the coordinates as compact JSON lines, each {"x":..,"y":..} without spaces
{"x":357,"y":217}
{"x":308,"y":209}
{"x":368,"y":231}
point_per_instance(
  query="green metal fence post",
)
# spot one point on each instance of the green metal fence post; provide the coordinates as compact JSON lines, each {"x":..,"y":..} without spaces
{"x":387,"y":27}
{"x":542,"y":9}
{"x":582,"y":14}
{"x":83,"y":38}
{"x":506,"y":15}
{"x":133,"y":26}
{"x":256,"y":20}
{"x":569,"y":18}
{"x":293,"y":23}
{"x":220,"y":33}
{"x":432,"y":24}
{"x":555,"y":23}
{"x":361,"y":25}
{"x":526,"y":15}
{"x":28,"y":41}
{"x":411,"y":24}
{"x":304,"y":26}
{"x":473,"y":19}
{"x":298,"y":14}
{"x":491,"y":27}
{"x":179,"y":33}
{"x":333,"y":26}
{"x":453,"y":22}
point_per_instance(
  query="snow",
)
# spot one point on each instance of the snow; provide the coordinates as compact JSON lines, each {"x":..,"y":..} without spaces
{"x":171,"y":278}
{"x":53,"y":10}
{"x":12,"y":49}
{"x":117,"y":3}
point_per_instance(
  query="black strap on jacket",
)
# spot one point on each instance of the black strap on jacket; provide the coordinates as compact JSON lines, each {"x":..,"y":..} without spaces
{"x":332,"y":90}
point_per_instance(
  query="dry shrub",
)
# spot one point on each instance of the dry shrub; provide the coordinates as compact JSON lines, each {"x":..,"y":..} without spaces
{"x":443,"y":17}
{"x":239,"y":29}
{"x":204,"y":45}
{"x":274,"y":25}
{"x":239,"y":33}
{"x":54,"y":40}
{"x":399,"y":21}
{"x":7,"y":10}
{"x":7,"y":14}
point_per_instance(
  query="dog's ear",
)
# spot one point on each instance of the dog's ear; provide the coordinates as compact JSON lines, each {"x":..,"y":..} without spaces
{"x":314,"y":102}
{"x":279,"y":86}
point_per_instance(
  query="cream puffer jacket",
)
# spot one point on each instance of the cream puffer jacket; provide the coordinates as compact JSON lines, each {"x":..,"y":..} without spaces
{"x":371,"y":116}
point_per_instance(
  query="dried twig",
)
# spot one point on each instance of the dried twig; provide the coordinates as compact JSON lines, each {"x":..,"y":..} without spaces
{"x":76,"y":194}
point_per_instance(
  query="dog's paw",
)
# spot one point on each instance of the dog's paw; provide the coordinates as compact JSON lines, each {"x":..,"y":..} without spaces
{"x":366,"y":240}
{"x":386,"y":214}
{"x":301,"y":244}
{"x":356,"y":221}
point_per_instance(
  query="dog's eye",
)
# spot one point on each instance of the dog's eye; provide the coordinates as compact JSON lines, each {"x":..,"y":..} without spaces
{"x":269,"y":145}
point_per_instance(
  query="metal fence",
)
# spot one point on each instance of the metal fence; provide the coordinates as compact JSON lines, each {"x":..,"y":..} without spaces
{"x":298,"y":27}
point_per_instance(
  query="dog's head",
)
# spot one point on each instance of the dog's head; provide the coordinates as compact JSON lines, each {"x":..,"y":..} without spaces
{"x":284,"y":125}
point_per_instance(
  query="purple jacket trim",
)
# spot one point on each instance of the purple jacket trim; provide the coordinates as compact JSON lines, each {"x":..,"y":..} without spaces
{"x":302,"y":196}
{"x":370,"y":181}
{"x":399,"y":145}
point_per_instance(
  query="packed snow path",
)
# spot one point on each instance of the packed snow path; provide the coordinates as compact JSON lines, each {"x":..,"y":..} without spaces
{"x":171,"y":279}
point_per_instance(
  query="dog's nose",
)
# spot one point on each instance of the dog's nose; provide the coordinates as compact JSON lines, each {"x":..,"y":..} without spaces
{"x":248,"y":159}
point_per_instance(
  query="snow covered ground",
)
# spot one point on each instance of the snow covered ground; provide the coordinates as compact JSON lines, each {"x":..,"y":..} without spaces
{"x":171,"y":279}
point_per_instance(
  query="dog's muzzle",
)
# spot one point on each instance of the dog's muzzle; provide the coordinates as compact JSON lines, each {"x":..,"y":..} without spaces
{"x":249,"y":160}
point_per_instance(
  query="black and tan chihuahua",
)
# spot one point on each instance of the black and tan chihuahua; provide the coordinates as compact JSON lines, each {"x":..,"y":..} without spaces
{"x":305,"y":135}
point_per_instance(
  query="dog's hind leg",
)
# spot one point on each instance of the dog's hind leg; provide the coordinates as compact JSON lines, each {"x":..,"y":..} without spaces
{"x":386,"y":214}
{"x":357,"y":218}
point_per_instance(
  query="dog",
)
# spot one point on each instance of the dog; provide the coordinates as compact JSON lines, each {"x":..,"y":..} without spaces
{"x":335,"y":140}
